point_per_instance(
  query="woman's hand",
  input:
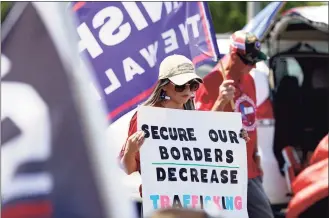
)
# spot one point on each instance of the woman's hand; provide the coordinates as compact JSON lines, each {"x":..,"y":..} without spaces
{"x":244,"y":134}
{"x":134,"y":142}
{"x":226,"y":91}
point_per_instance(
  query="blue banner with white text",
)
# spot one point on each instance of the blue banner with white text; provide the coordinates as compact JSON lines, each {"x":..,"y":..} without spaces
{"x":126,"y":42}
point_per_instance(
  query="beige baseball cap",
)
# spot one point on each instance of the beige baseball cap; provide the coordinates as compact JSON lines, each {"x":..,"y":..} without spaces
{"x":178,"y":69}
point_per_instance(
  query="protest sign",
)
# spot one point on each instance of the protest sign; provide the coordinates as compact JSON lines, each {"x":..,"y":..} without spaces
{"x":193,"y":159}
{"x":126,"y":41}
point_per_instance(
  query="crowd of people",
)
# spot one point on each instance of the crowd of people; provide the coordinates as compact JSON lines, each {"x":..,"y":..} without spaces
{"x":179,"y":87}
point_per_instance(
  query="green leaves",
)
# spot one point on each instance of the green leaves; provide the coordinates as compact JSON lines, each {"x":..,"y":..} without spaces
{"x":226,"y":16}
{"x":232,"y":16}
{"x":5,"y":7}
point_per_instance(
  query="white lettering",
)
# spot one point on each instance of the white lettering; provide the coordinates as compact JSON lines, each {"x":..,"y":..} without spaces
{"x":88,"y":41}
{"x":131,"y":68}
{"x":115,"y":83}
{"x":183,"y":30}
{"x":194,"y":23}
{"x":154,"y":9}
{"x":106,"y":33}
{"x":136,"y":15}
{"x":170,"y":40}
{"x":168,"y":6}
{"x":32,"y":145}
{"x":177,"y":4}
{"x":150,"y":54}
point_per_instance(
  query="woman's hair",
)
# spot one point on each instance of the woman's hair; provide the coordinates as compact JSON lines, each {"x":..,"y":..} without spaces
{"x":155,"y":96}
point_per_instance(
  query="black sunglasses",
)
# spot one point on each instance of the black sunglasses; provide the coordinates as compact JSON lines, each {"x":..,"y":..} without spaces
{"x":248,"y":59}
{"x":251,"y":58}
{"x":193,"y":84}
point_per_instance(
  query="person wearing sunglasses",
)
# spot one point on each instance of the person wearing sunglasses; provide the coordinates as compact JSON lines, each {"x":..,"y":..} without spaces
{"x":175,"y":89}
{"x":245,"y":52}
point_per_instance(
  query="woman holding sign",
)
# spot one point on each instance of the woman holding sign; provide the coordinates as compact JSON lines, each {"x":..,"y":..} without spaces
{"x":175,"y":89}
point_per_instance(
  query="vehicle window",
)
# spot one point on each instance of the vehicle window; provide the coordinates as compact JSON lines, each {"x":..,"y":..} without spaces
{"x":295,"y":70}
{"x":288,"y":66}
{"x":319,"y":79}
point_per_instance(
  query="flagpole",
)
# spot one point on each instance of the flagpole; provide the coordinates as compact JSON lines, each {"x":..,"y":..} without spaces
{"x":225,"y":78}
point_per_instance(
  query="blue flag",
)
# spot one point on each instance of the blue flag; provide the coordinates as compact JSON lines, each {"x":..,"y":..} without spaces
{"x":126,"y":41}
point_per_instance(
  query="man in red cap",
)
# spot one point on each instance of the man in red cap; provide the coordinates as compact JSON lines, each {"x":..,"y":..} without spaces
{"x":216,"y":94}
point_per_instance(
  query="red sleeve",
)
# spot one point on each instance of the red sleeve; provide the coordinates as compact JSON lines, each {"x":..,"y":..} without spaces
{"x":252,"y":87}
{"x":132,"y":129}
{"x":28,"y":208}
{"x":208,"y":92}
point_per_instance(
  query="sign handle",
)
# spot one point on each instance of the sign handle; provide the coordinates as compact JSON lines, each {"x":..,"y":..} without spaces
{"x":224,"y":76}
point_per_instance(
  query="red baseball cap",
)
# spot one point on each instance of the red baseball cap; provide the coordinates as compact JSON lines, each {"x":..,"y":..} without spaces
{"x":247,"y":46}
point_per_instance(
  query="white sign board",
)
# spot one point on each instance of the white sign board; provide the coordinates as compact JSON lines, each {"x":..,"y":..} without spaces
{"x":193,"y":159}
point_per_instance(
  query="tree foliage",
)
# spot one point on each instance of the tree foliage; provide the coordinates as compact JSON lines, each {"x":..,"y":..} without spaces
{"x":5,"y":6}
{"x":227,"y":16}
{"x":232,"y":16}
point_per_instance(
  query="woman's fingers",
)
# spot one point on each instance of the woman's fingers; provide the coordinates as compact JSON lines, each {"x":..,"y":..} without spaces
{"x":140,"y":136}
{"x":244,"y":134}
{"x":135,"y":141}
{"x":133,"y":138}
{"x":140,"y":139}
{"x":140,"y":143}
{"x":245,"y":137}
{"x":137,"y":136}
